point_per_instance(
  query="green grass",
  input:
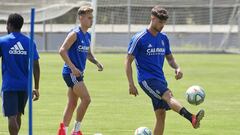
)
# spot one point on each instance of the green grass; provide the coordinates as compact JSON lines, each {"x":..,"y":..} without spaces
{"x":114,"y":112}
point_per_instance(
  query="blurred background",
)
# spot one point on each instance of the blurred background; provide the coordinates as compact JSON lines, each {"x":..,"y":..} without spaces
{"x":211,"y":26}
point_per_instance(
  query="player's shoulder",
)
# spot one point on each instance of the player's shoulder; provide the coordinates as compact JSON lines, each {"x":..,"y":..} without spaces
{"x":5,"y":38}
{"x":163,"y":35}
{"x":140,"y":34}
{"x":74,"y":31}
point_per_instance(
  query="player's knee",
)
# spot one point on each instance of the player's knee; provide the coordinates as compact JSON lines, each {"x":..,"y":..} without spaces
{"x":86,"y":100}
{"x":167,"y":96}
{"x":12,"y":123}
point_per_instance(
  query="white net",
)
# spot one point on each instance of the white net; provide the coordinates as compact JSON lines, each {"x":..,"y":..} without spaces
{"x":45,"y":9}
{"x":202,"y":26}
{"x":194,"y":25}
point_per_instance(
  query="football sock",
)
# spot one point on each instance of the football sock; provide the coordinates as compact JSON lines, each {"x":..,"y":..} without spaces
{"x":186,"y":114}
{"x":66,"y":130}
{"x":77,"y":126}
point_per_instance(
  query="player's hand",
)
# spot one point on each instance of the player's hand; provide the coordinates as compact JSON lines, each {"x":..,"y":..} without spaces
{"x":100,"y":67}
{"x":35,"y":95}
{"x":133,"y":90}
{"x":76,"y":72}
{"x":178,"y":73}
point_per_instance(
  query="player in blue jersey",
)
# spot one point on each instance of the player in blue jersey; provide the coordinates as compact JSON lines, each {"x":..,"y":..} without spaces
{"x":14,"y":50}
{"x":75,"y":50}
{"x":149,"y":48}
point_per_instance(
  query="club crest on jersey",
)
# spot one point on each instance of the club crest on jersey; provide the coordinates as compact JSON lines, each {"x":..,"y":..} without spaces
{"x":17,"y":49}
{"x":82,"y":48}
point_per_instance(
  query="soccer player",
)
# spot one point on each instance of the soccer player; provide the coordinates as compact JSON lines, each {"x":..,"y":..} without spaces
{"x":14,"y":50}
{"x":75,"y":50}
{"x":149,"y":48}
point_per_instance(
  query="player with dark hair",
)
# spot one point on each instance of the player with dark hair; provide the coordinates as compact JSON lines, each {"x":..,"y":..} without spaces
{"x":75,"y":50}
{"x":149,"y":48}
{"x":14,"y":50}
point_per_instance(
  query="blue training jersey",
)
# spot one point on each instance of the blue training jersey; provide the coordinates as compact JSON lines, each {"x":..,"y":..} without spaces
{"x":78,"y":51}
{"x":149,"y":52}
{"x":14,"y":50}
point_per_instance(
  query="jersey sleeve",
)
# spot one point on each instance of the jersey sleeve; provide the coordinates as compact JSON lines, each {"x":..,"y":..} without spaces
{"x":167,"y":46}
{"x":134,"y":45}
{"x":36,"y":55}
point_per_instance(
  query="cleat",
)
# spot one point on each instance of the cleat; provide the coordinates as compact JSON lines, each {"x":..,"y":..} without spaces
{"x":197,"y":118}
{"x":77,"y":133}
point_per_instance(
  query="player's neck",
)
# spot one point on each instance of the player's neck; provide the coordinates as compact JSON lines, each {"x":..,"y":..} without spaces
{"x":13,"y":30}
{"x":152,"y":30}
{"x":84,"y":29}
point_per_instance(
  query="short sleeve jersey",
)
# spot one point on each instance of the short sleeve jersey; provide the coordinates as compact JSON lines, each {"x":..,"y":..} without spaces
{"x":149,"y":52}
{"x":14,"y":50}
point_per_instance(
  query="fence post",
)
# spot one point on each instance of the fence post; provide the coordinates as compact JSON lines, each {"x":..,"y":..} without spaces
{"x":129,"y":19}
{"x":210,"y":23}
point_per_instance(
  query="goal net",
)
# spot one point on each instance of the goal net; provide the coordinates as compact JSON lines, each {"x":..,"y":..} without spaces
{"x":193,"y":26}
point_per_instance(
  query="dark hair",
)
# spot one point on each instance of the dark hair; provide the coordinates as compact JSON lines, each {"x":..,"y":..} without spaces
{"x":160,"y":13}
{"x":15,"y":21}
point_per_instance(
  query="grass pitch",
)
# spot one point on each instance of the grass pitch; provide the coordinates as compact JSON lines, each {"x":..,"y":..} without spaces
{"x":114,"y":112}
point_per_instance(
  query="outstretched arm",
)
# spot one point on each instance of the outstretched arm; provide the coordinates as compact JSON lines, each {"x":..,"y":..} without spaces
{"x":174,"y":65}
{"x":92,"y":59}
{"x":128,"y":70}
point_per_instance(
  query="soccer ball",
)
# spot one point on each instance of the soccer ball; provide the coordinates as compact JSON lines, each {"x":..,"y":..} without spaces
{"x":195,"y":95}
{"x":143,"y":131}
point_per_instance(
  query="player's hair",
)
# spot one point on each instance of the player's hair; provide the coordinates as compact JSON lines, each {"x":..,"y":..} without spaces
{"x":160,"y":13}
{"x":15,"y":21}
{"x":85,"y":10}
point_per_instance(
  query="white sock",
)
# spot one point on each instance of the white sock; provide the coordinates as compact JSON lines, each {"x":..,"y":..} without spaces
{"x":66,"y":130}
{"x":77,"y":126}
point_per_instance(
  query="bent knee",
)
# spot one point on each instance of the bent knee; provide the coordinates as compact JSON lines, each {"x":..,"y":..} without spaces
{"x":86,"y":100}
{"x":167,"y":95}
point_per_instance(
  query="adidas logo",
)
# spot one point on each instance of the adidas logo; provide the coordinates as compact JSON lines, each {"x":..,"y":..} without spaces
{"x":149,"y":46}
{"x":17,"y":49}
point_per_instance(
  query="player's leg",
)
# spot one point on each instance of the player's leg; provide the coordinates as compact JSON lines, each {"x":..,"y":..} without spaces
{"x":22,"y":100}
{"x":13,"y":125}
{"x":177,"y":107}
{"x":153,"y":88}
{"x":160,"y":121}
{"x":70,"y":107}
{"x":10,"y":109}
{"x":172,"y":102}
{"x":70,"y":80}
{"x":81,"y":91}
{"x":19,"y":121}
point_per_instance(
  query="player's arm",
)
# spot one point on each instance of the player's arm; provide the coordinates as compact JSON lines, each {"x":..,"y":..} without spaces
{"x":128,"y":70}
{"x":36,"y":74}
{"x":92,"y":59}
{"x":174,"y":65}
{"x":63,"y":51}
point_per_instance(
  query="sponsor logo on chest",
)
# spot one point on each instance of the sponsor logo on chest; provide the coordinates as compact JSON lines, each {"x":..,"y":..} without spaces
{"x":82,"y":48}
{"x":17,"y":49}
{"x":152,"y":50}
